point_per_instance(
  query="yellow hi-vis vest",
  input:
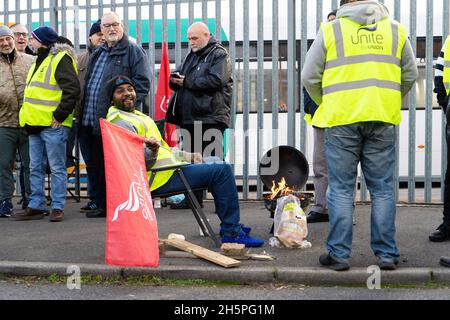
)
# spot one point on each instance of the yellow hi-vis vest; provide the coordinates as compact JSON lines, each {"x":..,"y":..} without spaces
{"x":42,"y":94}
{"x":146,"y":127}
{"x":447,"y":65}
{"x":362,"y":76}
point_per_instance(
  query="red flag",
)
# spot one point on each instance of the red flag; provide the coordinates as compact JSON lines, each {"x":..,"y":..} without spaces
{"x":131,"y":229}
{"x":162,"y":97}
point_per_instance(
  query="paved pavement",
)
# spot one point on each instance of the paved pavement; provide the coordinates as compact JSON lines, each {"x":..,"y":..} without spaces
{"x":43,"y":248}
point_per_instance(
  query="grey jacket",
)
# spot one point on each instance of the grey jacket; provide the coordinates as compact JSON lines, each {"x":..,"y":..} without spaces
{"x":363,"y":12}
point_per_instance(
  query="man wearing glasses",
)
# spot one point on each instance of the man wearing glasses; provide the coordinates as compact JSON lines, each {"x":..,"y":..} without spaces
{"x":117,"y":56}
{"x":21,"y":38}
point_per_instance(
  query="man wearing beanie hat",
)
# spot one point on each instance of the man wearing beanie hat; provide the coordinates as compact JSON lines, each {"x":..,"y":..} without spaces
{"x":14,"y":67}
{"x":215,"y":175}
{"x":50,"y":96}
{"x":45,"y":35}
{"x":95,"y":40}
{"x":117,"y":56}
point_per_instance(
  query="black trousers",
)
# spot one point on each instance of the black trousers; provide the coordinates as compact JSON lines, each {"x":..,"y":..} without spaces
{"x":447,"y":181}
{"x":99,"y":160}
{"x":206,"y":139}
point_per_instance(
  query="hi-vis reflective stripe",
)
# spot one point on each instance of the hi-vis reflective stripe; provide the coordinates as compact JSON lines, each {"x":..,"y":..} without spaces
{"x":361,"y":84}
{"x":42,"y":102}
{"x":132,"y":115}
{"x":164,"y":163}
{"x":48,"y":75}
{"x":361,"y":59}
{"x":44,"y":86}
{"x":447,"y":85}
{"x":342,"y":60}
{"x":447,"y":64}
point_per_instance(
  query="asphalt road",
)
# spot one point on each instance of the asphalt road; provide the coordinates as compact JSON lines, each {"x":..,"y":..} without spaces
{"x":25,"y":291}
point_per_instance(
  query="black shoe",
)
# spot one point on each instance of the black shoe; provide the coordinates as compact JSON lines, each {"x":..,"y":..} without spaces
{"x":314,"y":217}
{"x":327,"y":261}
{"x":441,"y":234}
{"x":445,"y":261}
{"x":387,"y":265}
{"x":91,"y":206}
{"x":96,"y":214}
{"x":180,"y":205}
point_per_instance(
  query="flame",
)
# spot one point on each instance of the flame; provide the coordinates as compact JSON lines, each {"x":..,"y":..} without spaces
{"x":281,"y":190}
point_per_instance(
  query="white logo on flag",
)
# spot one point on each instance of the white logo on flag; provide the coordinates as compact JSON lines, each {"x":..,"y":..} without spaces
{"x":163,"y":104}
{"x":136,"y":199}
{"x":131,"y":205}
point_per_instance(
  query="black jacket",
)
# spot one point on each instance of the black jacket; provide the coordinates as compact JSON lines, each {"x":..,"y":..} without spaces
{"x":207,"y":90}
{"x":308,"y":103}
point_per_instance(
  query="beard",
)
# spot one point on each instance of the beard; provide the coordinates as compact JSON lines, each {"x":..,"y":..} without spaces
{"x":112,"y":38}
{"x":127,"y":105}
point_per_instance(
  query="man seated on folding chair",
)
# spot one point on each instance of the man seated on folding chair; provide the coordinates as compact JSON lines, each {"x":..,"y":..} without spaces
{"x":216,"y":176}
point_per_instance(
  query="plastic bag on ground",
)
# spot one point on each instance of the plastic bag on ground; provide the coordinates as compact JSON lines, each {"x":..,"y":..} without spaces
{"x":290,"y":223}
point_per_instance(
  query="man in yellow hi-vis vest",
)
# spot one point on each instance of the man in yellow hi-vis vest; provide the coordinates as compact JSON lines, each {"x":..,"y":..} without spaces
{"x":51,"y":93}
{"x":358,"y":70}
{"x":216,"y":175}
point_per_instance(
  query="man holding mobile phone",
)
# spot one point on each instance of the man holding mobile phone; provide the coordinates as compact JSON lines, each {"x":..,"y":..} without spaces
{"x":201,"y":101}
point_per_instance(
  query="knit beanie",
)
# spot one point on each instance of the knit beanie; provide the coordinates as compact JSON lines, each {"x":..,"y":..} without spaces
{"x":5,"y":31}
{"x":95,"y":28}
{"x":118,"y":81}
{"x":45,"y":35}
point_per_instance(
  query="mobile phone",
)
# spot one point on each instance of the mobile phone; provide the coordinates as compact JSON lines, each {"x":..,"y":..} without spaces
{"x":175,"y":75}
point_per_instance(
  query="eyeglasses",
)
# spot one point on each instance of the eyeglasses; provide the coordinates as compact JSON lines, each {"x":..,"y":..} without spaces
{"x":109,"y":25}
{"x":19,"y":34}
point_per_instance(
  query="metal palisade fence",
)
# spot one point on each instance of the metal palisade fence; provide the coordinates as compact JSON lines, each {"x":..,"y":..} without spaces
{"x":268,"y":41}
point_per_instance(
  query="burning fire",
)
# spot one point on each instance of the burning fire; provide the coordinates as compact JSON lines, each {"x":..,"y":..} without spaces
{"x":281,"y":190}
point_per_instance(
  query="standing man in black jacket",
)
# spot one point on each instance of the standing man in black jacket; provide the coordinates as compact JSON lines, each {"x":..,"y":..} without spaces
{"x":201,"y":102}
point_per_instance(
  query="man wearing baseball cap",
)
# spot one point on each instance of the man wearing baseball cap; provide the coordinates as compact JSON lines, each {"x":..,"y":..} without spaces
{"x":51,"y":93}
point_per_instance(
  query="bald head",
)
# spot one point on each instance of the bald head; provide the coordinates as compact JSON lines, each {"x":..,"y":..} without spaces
{"x":198,"y":36}
{"x":344,"y":2}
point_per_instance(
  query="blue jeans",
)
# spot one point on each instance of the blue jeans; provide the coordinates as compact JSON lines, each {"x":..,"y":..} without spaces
{"x":372,"y":144}
{"x":53,"y":141}
{"x":219,"y":179}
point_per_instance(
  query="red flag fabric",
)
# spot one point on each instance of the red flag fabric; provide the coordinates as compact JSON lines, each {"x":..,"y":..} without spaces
{"x":131,"y":228}
{"x":162,"y":97}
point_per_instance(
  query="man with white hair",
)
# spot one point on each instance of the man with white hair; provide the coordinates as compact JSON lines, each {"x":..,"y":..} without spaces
{"x":21,"y":38}
{"x":14,"y":67}
{"x":117,"y":56}
{"x":201,"y":102}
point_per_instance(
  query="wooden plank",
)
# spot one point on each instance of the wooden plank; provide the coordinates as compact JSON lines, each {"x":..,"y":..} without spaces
{"x":251,"y":256}
{"x":203,"y":253}
{"x":178,"y":254}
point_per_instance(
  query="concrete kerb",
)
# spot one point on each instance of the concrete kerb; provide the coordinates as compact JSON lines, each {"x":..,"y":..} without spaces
{"x":305,"y":276}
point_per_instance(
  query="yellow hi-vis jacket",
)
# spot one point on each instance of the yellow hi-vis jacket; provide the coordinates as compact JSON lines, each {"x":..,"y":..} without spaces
{"x":42,"y":94}
{"x":362,"y":76}
{"x":447,"y":65}
{"x":146,"y":127}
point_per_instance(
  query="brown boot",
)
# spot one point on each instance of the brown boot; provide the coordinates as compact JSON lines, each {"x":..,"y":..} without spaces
{"x":28,"y":214}
{"x":56,"y":215}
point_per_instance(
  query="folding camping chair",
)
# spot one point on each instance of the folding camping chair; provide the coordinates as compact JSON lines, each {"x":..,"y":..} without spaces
{"x":190,"y":197}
